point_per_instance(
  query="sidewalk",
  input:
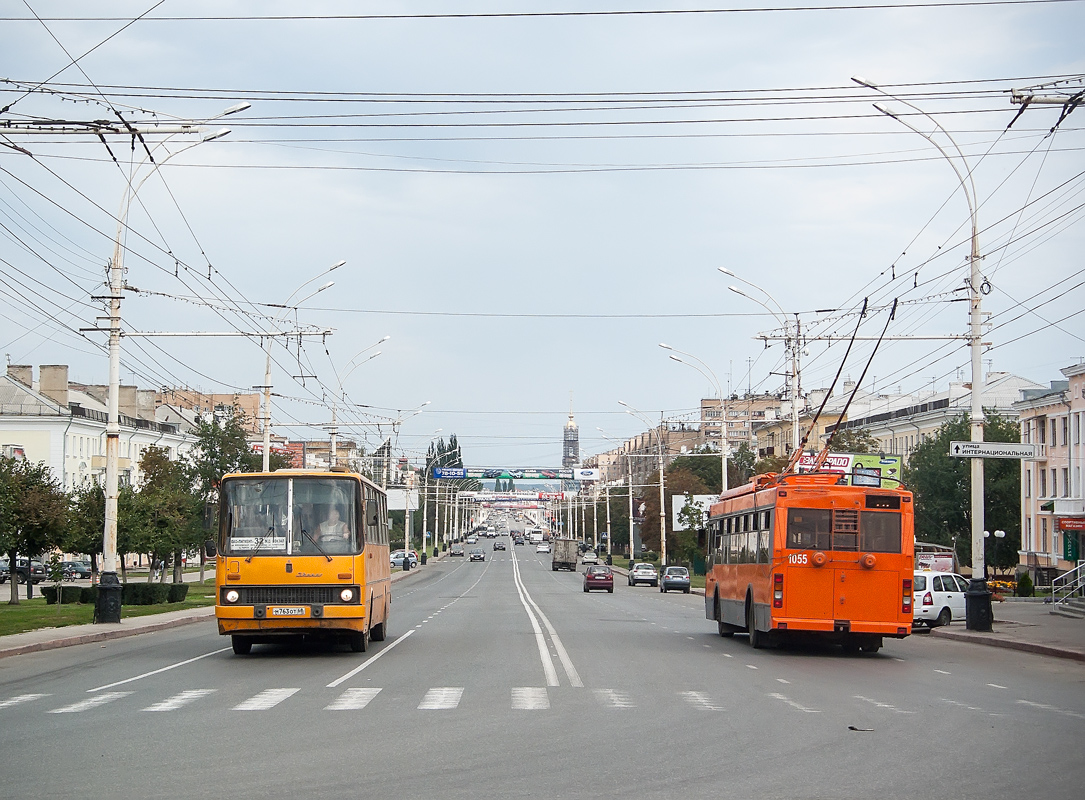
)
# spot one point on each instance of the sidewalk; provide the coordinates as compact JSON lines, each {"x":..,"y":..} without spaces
{"x":52,"y":638}
{"x":1029,"y":627}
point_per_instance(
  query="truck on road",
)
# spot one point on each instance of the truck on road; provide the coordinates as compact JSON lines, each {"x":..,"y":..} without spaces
{"x":565,"y":554}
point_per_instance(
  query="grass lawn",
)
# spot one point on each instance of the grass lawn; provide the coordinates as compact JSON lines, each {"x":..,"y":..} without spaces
{"x":33,"y":614}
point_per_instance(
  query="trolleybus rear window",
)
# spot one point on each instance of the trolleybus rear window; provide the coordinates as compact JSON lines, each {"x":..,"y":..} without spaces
{"x":843,"y":530}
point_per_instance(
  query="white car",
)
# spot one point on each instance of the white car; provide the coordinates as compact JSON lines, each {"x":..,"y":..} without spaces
{"x":589,"y":558}
{"x":643,"y":573}
{"x":543,"y":547}
{"x":937,"y":598}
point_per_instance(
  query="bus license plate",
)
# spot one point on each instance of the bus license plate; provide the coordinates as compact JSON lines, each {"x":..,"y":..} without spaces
{"x":288,"y":611}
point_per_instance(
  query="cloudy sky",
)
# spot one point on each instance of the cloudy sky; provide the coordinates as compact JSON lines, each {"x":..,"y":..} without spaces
{"x":529,"y":203}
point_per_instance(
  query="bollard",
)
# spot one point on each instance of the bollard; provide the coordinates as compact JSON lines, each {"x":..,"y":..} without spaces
{"x":423,"y":558}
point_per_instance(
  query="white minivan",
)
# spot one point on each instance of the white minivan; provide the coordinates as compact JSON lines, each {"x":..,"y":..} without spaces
{"x":937,"y":598}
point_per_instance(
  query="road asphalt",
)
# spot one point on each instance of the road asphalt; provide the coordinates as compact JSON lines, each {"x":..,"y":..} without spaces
{"x":1026,"y":626}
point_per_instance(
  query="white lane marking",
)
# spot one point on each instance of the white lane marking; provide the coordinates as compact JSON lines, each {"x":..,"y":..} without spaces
{"x":21,"y":698}
{"x":613,"y":699}
{"x":960,"y":705}
{"x":157,"y":671}
{"x":781,"y":680}
{"x":530,"y":698}
{"x":943,"y":672}
{"x":563,"y":655}
{"x":700,"y":700}
{"x":178,"y":700}
{"x":441,"y":698}
{"x":549,"y":670}
{"x":352,"y":700}
{"x":880,"y":704}
{"x":750,"y":666}
{"x":728,"y":655}
{"x":996,"y":686}
{"x":269,"y":698}
{"x":91,"y":702}
{"x":793,"y":704}
{"x":369,"y":661}
{"x":1056,"y":709}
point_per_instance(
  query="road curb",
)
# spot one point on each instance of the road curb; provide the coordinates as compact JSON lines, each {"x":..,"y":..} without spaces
{"x":1025,"y":647}
{"x":104,"y":635}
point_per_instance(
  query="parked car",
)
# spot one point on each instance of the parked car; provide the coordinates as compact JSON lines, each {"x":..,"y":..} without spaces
{"x":674,"y":578}
{"x":478,"y":554}
{"x":937,"y":597}
{"x":399,"y":555}
{"x":589,"y":558}
{"x":643,"y":573}
{"x":36,"y":571}
{"x":598,"y":576}
{"x":75,"y":570}
{"x":542,"y":547}
{"x":499,"y":545}
{"x":456,"y":550}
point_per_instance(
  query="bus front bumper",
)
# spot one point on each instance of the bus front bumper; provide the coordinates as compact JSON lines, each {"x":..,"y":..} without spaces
{"x":294,"y":619}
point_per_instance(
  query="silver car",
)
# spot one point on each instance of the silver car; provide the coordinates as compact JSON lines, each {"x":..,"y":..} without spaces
{"x":643,"y":573}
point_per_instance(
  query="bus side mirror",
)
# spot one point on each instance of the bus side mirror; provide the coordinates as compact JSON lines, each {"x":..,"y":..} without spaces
{"x":701,"y":539}
{"x":371,"y":513}
{"x":209,"y":548}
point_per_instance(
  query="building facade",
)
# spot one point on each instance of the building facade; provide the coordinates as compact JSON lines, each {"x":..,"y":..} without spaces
{"x":1052,"y":494}
{"x":735,"y":418}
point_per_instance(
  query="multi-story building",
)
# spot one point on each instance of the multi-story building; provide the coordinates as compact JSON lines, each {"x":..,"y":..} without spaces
{"x":248,"y":404}
{"x":641,"y":452}
{"x":1052,"y":494}
{"x":737,"y":416}
{"x":63,"y":424}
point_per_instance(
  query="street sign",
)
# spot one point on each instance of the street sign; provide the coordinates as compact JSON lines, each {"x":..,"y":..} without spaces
{"x":1029,"y":452}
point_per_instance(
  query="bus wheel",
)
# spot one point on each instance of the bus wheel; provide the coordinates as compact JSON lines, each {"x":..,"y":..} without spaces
{"x":757,"y":638}
{"x":377,"y":634}
{"x":242,"y":645}
{"x":359,"y":642}
{"x":871,"y":645}
{"x":725,"y":629}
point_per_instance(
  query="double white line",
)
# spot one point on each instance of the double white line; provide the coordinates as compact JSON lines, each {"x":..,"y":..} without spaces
{"x":535,"y":614}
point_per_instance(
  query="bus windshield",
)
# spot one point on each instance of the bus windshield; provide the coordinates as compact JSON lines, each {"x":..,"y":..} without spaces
{"x":290,"y":516}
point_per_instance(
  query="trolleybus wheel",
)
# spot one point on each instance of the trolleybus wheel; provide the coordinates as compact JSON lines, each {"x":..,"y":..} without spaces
{"x":872,"y":645}
{"x":757,"y":638}
{"x":242,"y":645}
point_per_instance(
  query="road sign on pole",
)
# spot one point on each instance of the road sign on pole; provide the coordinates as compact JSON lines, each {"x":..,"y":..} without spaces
{"x":1028,"y":452}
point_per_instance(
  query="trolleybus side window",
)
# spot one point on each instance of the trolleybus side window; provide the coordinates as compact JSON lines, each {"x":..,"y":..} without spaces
{"x":880,"y":532}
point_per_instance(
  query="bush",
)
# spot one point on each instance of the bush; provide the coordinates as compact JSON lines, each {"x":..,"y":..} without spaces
{"x":1024,"y":586}
{"x":144,"y":594}
{"x":177,"y":593}
{"x":88,"y":595}
{"x":50,"y":594}
{"x":70,"y":594}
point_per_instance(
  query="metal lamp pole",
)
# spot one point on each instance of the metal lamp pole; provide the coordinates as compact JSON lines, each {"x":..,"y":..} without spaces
{"x":108,"y":606}
{"x":978,"y":615}
{"x":266,"y":461}
{"x":781,"y":318}
{"x":662,"y":503}
{"x":707,"y":372}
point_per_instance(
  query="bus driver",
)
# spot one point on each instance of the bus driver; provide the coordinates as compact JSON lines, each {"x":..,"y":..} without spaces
{"x":333,"y":533}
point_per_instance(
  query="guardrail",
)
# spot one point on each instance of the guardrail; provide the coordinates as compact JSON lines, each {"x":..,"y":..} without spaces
{"x":1068,"y":585}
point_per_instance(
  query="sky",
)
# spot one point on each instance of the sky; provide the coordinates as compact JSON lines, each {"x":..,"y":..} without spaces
{"x":529,"y":205}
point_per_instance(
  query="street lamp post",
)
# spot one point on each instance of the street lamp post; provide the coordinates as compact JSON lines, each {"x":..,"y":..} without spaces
{"x":266,"y":461}
{"x":707,"y":372}
{"x":108,"y":605}
{"x":662,"y":503}
{"x":791,"y":342}
{"x":978,"y":615}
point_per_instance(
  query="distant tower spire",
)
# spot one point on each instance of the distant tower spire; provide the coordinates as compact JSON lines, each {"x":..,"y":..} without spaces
{"x":570,"y":451}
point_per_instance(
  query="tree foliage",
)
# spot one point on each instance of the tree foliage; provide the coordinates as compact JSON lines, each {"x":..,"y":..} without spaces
{"x":33,"y":512}
{"x":942,"y":487}
{"x":854,"y":440}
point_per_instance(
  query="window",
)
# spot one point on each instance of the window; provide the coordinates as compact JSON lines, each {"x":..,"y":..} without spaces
{"x":1043,"y":483}
{"x":1043,"y":534}
{"x":880,"y":532}
{"x":809,"y":528}
{"x":1065,"y":431}
{"x":1065,"y":481}
{"x":1041,"y":429}
{"x":1028,"y":483}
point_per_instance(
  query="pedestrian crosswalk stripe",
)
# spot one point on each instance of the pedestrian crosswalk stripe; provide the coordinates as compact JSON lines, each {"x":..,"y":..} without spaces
{"x":21,"y":698}
{"x":269,"y":698}
{"x":700,"y":700}
{"x":352,"y":700}
{"x":792,"y":703}
{"x":178,"y":700}
{"x":613,"y":699}
{"x":441,"y":698}
{"x":530,"y":698}
{"x":90,"y":702}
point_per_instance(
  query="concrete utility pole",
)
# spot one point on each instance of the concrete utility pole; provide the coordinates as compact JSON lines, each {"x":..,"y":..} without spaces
{"x":978,"y":615}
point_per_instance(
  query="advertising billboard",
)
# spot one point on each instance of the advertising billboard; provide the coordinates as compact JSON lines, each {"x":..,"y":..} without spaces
{"x":859,"y":469}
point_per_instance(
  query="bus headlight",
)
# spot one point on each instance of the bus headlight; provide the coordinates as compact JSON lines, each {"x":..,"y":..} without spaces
{"x":346,"y":595}
{"x":232,"y":596}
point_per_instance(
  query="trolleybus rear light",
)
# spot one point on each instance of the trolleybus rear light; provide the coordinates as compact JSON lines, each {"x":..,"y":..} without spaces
{"x":778,"y":590}
{"x":906,"y":600}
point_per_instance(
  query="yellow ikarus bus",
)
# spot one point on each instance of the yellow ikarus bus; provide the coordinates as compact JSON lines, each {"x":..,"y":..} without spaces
{"x":301,"y":552}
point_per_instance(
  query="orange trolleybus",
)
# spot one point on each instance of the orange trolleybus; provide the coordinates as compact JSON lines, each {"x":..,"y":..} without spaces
{"x":798,"y":554}
{"x":301,"y":552}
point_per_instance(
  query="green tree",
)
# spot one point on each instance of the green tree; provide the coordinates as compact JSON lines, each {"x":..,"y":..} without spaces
{"x":681,"y":545}
{"x":770,"y":464}
{"x":854,"y":440}
{"x":172,"y":511}
{"x":33,"y":513}
{"x":942,"y":487}
{"x":87,"y":526}
{"x":222,"y":447}
{"x":740,"y":465}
